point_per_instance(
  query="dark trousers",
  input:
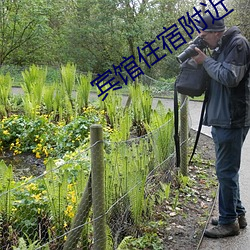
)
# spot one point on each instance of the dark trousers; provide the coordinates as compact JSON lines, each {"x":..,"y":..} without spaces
{"x":228,"y":145}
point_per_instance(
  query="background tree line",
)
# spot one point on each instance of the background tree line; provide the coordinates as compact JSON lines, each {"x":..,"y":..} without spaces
{"x":95,"y":34}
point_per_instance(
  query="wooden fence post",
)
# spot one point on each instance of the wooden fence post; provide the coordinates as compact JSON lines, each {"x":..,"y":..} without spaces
{"x":184,"y":135}
{"x":98,"y":195}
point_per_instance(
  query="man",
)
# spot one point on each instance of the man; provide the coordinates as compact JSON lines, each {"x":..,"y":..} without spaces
{"x":228,"y":112}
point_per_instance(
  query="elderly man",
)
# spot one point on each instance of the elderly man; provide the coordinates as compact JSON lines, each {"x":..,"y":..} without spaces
{"x":228,"y":112}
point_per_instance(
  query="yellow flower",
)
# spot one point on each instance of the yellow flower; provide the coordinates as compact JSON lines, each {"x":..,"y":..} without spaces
{"x":31,"y":187}
{"x":38,"y":155}
{"x":45,"y":151}
{"x":73,"y":199}
{"x":14,"y":209}
{"x":37,"y":196}
{"x":6,"y":132}
{"x":69,"y":211}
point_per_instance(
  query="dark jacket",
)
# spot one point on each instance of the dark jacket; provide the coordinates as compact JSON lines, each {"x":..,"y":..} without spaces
{"x":228,"y":103}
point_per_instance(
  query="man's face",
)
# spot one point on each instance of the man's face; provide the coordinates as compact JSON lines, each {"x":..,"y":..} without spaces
{"x":211,"y":38}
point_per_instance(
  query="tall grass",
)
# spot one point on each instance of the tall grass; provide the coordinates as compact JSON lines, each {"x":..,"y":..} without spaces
{"x":161,"y":128}
{"x":5,"y":90}
{"x":6,"y":197}
{"x":34,"y":80}
{"x":68,"y":74}
{"x":83,"y":91}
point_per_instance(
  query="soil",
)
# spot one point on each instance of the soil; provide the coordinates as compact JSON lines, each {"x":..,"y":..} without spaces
{"x":188,"y":221}
{"x":25,"y":164}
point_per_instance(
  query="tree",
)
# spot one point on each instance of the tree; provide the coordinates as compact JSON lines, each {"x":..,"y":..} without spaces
{"x":21,"y":21}
{"x":240,"y":16}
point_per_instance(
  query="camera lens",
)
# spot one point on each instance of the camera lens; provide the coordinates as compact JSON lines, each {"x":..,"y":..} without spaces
{"x":187,"y":53}
{"x":190,"y":51}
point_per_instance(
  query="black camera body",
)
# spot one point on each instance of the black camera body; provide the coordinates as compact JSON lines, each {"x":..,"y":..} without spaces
{"x":190,"y":51}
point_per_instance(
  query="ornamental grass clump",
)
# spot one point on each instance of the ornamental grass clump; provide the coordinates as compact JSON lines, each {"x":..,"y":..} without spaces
{"x":34,"y":80}
{"x":83,"y":91}
{"x":5,"y":91}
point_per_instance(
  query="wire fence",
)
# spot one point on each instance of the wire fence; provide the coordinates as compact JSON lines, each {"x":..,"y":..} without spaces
{"x":57,"y":209}
{"x":41,"y":211}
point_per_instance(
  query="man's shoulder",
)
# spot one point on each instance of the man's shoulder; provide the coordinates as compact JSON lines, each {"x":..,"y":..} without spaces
{"x":233,"y":37}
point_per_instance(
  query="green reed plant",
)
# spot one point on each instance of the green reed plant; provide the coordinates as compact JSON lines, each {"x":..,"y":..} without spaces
{"x":83,"y":91}
{"x":161,"y":128}
{"x":137,"y":180}
{"x":68,"y":74}
{"x":56,"y":184}
{"x":146,"y":100}
{"x":6,"y":184}
{"x":114,"y":109}
{"x":5,"y":90}
{"x":126,"y":171}
{"x":62,"y":105}
{"x":122,"y":129}
{"x":164,"y":191}
{"x":141,"y":103}
{"x":33,"y":85}
{"x":135,"y":93}
{"x":48,"y":98}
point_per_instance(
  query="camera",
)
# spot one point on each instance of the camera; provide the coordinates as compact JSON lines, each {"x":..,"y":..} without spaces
{"x":190,"y":51}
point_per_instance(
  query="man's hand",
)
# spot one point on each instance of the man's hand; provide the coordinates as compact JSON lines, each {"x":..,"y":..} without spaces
{"x":200,"y":58}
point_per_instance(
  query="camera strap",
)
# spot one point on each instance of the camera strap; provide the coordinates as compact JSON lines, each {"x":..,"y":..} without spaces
{"x":176,"y":127}
{"x":199,"y":127}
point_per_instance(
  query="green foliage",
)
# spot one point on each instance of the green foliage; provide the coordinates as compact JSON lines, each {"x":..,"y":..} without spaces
{"x":123,"y":124}
{"x":57,"y":188}
{"x":126,"y":172}
{"x":23,"y":28}
{"x":43,"y":137}
{"x":161,"y":126}
{"x":127,"y":160}
{"x":147,"y":241}
{"x":83,"y":91}
{"x":112,"y":104}
{"x":5,"y":90}
{"x":164,"y":191}
{"x":30,"y":206}
{"x":141,"y":104}
{"x":29,"y":245}
{"x":68,"y":74}
{"x":6,"y":184}
{"x":33,"y":85}
{"x":43,"y":32}
{"x":48,"y":98}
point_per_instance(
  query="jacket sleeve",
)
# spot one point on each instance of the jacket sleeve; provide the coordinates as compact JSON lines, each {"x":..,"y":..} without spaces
{"x":234,"y":66}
